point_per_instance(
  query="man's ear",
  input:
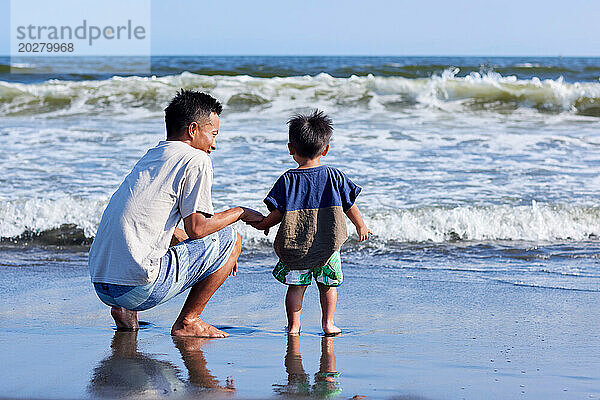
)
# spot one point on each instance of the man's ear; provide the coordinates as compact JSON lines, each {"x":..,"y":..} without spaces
{"x":291,"y":149}
{"x":324,"y":153}
{"x":192,"y":129}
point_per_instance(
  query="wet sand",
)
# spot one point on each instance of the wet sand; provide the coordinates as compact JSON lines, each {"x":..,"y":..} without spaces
{"x":402,"y":338}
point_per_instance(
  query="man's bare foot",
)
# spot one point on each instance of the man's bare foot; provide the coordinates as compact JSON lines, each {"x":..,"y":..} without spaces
{"x":196,"y":328}
{"x":331,"y":330}
{"x":125,"y":319}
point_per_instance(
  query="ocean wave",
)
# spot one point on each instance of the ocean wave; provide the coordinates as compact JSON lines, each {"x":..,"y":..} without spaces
{"x":121,"y":95}
{"x":71,"y":220}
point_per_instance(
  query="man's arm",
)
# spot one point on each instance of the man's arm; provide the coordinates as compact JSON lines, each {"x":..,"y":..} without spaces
{"x":361,"y":229}
{"x":198,"y":225}
{"x":270,"y":220}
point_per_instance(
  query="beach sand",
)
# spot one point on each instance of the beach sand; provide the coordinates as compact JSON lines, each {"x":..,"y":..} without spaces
{"x":403,"y":337}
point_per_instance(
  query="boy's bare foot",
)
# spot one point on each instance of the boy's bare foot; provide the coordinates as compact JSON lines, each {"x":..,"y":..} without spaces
{"x":331,"y":330}
{"x":125,"y":319}
{"x":197,"y":328}
{"x":292,"y":331}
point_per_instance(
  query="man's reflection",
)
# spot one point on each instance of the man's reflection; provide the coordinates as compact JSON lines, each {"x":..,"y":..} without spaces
{"x":325,"y":384}
{"x":127,"y":372}
{"x":194,"y":361}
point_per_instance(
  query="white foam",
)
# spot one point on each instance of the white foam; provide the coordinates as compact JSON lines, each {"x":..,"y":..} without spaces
{"x":38,"y":215}
{"x":529,"y":223}
{"x":537,"y":222}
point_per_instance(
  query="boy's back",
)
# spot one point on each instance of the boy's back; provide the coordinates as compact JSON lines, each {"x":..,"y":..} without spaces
{"x":313,"y":202}
{"x":310,"y":203}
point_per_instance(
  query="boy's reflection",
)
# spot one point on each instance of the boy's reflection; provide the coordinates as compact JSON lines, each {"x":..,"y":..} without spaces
{"x":325,"y":384}
{"x":127,"y":372}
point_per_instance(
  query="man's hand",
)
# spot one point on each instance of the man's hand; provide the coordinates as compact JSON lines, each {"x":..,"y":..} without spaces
{"x":198,"y":225}
{"x":267,"y":222}
{"x":178,"y":236}
{"x":251,"y":217}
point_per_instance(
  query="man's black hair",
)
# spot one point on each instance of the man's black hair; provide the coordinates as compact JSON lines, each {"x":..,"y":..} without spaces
{"x":186,"y":107}
{"x":310,"y":134}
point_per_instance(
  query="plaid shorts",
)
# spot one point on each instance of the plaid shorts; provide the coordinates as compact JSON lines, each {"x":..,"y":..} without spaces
{"x":184,"y":265}
{"x":329,"y":274}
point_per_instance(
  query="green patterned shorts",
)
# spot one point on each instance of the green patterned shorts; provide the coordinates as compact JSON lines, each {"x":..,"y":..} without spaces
{"x":329,"y":274}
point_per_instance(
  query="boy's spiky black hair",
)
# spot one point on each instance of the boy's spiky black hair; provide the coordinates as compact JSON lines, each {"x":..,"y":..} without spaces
{"x":186,"y":107}
{"x":310,"y":134}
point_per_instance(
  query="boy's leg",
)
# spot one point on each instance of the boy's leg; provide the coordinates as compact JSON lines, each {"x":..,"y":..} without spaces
{"x":293,"y":306}
{"x":328,"y":297}
{"x":189,"y":323}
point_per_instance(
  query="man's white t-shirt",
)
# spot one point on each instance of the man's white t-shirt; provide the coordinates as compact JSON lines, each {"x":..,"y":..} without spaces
{"x":170,"y":182}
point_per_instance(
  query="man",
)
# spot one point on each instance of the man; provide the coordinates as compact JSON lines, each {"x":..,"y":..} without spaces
{"x":131,"y":264}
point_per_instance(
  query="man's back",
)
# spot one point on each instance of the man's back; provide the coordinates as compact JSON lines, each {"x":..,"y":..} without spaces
{"x":171,"y":181}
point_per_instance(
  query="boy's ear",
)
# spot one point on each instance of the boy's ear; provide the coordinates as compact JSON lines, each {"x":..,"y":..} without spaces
{"x":324,"y":153}
{"x":291,"y":149}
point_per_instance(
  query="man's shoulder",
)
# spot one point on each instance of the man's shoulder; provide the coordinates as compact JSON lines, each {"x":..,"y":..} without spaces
{"x":184,"y":152}
{"x":199,"y":159}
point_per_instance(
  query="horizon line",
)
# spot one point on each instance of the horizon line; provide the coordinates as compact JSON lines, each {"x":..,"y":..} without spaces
{"x":336,"y":55}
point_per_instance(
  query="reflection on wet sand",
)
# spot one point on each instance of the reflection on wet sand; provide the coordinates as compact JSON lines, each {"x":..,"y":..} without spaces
{"x":194,"y":361}
{"x":325,"y":384}
{"x":128,"y":373}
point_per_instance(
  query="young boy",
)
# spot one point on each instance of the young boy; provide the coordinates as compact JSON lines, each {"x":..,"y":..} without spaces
{"x":310,"y":202}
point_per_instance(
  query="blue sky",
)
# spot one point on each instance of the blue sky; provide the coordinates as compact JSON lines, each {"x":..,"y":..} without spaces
{"x":373,"y":27}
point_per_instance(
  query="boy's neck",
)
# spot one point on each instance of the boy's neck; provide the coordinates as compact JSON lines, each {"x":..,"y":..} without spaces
{"x":304,"y":163}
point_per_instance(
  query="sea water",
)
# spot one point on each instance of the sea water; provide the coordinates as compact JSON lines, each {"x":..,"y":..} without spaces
{"x":471,"y":168}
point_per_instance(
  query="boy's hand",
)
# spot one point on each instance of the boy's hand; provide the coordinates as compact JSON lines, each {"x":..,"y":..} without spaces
{"x":257,"y":225}
{"x":363,"y":233}
{"x":261,"y":226}
{"x":361,"y":229}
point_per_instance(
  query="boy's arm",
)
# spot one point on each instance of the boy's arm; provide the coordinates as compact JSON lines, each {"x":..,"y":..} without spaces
{"x":270,"y":220}
{"x":361,"y":229}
